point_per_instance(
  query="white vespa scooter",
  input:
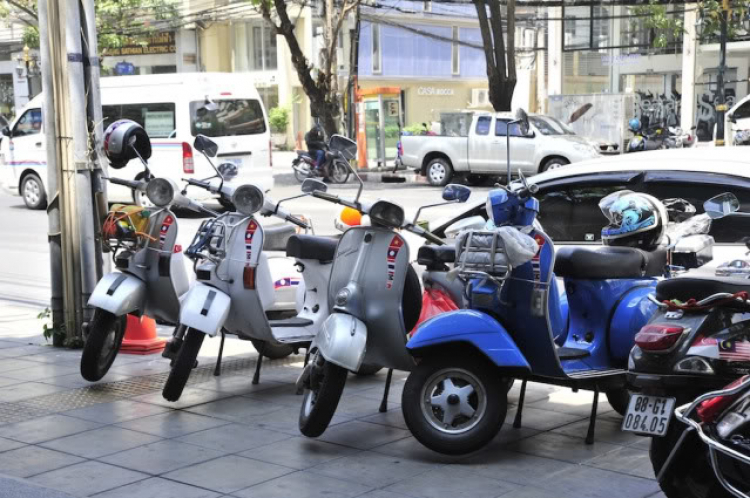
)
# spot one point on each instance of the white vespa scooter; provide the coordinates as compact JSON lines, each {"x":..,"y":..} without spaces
{"x":234,"y":284}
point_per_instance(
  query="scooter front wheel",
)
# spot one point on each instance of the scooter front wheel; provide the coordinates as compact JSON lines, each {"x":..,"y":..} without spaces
{"x":454,"y":405}
{"x":321,"y":399}
{"x":102,"y":345}
{"x":183,"y":364}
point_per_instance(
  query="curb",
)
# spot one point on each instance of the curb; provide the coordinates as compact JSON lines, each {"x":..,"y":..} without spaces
{"x":412,"y":179}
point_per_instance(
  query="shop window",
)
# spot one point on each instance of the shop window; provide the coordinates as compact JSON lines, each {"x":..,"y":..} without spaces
{"x":376,"y":51}
{"x":455,"y":59}
{"x":263,"y":48}
{"x":157,"y":118}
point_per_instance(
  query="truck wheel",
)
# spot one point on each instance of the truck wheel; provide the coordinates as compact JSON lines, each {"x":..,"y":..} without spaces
{"x":102,"y":344}
{"x":32,"y":190}
{"x":454,"y":405}
{"x":439,"y":172}
{"x":554,"y":163}
{"x":183,"y":365}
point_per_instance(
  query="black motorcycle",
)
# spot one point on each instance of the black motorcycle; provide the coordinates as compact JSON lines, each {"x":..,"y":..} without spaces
{"x":697,"y":341}
{"x":339,"y":152}
{"x":714,"y":444}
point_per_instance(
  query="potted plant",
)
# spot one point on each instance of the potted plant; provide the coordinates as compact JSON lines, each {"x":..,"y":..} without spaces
{"x":278,"y":119}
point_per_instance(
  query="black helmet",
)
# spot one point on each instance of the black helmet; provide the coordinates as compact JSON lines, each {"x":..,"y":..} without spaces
{"x":635,"y":220}
{"x":122,"y":139}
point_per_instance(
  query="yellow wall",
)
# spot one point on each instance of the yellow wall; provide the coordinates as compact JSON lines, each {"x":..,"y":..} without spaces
{"x":216,"y":48}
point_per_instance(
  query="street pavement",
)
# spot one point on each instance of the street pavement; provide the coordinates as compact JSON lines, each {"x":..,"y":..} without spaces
{"x":62,"y":436}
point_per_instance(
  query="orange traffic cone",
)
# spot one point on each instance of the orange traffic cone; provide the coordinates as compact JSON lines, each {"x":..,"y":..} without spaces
{"x":140,"y":336}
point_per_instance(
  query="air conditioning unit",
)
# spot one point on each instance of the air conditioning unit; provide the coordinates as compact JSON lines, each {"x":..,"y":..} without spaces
{"x":480,"y":97}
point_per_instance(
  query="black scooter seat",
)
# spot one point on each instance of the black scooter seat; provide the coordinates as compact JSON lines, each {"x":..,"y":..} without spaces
{"x":309,"y":247}
{"x":686,"y":288}
{"x":435,"y":257}
{"x":609,"y":262}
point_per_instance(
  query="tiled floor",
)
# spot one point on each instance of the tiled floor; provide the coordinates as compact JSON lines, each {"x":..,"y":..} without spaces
{"x":227,"y":437}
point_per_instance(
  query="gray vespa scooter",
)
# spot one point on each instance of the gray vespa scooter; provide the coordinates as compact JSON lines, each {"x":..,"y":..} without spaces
{"x":374,"y":302}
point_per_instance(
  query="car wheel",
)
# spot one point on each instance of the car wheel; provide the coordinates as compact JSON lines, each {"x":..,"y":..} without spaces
{"x":439,"y":172}
{"x":454,"y":405}
{"x":33,"y":192}
{"x":554,"y":163}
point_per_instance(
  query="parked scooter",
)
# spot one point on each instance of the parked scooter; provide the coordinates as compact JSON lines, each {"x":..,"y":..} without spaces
{"x":712,"y":455}
{"x":336,"y":167}
{"x":697,"y":341}
{"x":376,"y":300}
{"x":151,"y":277}
{"x":234,"y":284}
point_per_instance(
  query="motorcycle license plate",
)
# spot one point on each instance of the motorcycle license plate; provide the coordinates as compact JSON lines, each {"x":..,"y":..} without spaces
{"x":649,"y":415}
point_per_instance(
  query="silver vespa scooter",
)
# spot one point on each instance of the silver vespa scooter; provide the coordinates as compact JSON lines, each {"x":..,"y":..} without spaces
{"x":373,"y":306}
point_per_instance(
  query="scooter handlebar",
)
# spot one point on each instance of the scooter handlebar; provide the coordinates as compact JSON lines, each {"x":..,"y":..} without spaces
{"x":287,"y":216}
{"x":131,"y":184}
{"x":199,"y":183}
{"x":326,"y":196}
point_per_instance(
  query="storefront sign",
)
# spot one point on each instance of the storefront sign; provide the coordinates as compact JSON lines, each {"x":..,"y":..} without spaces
{"x":431,"y":91}
{"x":620,"y":60}
{"x":160,"y":43}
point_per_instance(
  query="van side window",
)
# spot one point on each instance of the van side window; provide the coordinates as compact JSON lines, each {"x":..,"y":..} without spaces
{"x":227,"y":117}
{"x":157,"y":119}
{"x":483,"y":125}
{"x":29,"y":124}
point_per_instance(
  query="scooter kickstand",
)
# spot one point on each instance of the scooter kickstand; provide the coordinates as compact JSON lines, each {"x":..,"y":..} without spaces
{"x":384,"y":404}
{"x":256,"y":377}
{"x":217,"y":370}
{"x":592,"y":419}
{"x":519,"y":412}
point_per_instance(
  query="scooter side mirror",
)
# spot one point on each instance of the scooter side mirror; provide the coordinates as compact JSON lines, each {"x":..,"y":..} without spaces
{"x":722,"y":205}
{"x":311,"y":185}
{"x":456,"y":193}
{"x":206,"y":146}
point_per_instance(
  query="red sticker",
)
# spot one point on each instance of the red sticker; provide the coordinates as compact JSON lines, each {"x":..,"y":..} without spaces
{"x":249,"y":234}
{"x":395,"y":246}
{"x":535,"y":261}
{"x":164,"y":230}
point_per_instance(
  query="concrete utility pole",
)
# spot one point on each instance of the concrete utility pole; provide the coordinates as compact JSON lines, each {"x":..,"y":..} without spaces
{"x":75,"y":248}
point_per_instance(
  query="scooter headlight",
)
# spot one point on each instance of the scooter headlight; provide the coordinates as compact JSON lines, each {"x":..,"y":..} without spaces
{"x":247,"y":199}
{"x":161,"y":191}
{"x":387,"y":214}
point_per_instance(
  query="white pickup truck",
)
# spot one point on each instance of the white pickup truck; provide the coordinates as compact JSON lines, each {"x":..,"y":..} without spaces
{"x":482,"y":152}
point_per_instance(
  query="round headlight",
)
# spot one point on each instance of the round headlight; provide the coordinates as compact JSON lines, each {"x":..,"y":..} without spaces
{"x":160,"y":191}
{"x":387,"y":214}
{"x":247,"y":199}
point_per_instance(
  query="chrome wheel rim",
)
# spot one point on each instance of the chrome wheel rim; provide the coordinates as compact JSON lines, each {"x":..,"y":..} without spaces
{"x":32,"y":191}
{"x":454,"y":401}
{"x":437,"y":172}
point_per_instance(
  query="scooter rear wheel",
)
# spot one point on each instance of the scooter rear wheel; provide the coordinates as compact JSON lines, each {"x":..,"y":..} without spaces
{"x":454,"y":405}
{"x":319,"y":405}
{"x":271,"y":351}
{"x":102,"y":345}
{"x":690,"y":475}
{"x":183,"y":364}
{"x":619,"y":400}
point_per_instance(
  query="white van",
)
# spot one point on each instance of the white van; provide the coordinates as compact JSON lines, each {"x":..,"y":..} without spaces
{"x":173,"y":110}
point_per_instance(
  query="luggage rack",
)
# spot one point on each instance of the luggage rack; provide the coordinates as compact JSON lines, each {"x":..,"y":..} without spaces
{"x":482,"y":254}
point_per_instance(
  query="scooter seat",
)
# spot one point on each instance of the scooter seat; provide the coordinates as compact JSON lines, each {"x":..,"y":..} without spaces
{"x":309,"y":247}
{"x":686,"y":288}
{"x":435,"y":257}
{"x":609,"y":262}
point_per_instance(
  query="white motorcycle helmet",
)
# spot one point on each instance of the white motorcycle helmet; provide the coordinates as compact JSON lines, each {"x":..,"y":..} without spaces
{"x":125,"y":140}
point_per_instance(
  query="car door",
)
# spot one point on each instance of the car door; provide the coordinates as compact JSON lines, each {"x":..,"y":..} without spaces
{"x":25,"y":147}
{"x":483,"y":147}
{"x":522,"y":148}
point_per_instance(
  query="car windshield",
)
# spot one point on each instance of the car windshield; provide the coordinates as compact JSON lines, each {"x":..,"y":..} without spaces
{"x":550,"y":126}
{"x":224,"y":118}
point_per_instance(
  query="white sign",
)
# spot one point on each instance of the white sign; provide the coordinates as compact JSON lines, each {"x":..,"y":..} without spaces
{"x":159,"y":124}
{"x":431,"y":91}
{"x":620,"y":60}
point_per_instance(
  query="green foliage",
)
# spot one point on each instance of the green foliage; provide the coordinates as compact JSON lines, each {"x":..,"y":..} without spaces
{"x":658,"y":18}
{"x":414,"y":129}
{"x":48,"y":330}
{"x":278,"y":118}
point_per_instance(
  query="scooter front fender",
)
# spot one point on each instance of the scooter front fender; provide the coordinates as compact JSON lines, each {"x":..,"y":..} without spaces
{"x":342,"y":340}
{"x":205,"y":309}
{"x":471,"y":327}
{"x":118,"y":293}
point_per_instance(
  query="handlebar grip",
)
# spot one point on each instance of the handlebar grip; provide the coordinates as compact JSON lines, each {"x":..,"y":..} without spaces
{"x":326,"y":196}
{"x":296,"y":221}
{"x":433,"y":238}
{"x":131,"y":184}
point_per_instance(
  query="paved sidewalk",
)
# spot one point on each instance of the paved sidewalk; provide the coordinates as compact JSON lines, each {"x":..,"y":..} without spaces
{"x":226,"y":437}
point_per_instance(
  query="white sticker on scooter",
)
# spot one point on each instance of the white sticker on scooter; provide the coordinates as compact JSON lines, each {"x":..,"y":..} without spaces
{"x":395,"y":246}
{"x":164,"y":229}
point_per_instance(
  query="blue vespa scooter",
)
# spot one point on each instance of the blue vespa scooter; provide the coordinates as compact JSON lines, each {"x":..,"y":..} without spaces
{"x":455,"y":401}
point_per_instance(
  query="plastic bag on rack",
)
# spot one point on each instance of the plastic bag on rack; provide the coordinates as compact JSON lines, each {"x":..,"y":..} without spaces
{"x":434,"y":302}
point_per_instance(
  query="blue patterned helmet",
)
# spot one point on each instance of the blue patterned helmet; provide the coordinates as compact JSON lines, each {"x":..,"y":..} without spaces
{"x":634,"y":124}
{"x":635,"y":220}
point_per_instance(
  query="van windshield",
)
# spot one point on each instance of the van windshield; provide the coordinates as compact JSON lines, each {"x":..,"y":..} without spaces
{"x":228,"y":117}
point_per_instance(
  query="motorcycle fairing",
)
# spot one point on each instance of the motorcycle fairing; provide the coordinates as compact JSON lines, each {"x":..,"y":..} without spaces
{"x":205,"y":308}
{"x":119,"y":293}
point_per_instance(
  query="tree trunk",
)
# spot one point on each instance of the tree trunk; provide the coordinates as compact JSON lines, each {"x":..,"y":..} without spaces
{"x":500,"y":60}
